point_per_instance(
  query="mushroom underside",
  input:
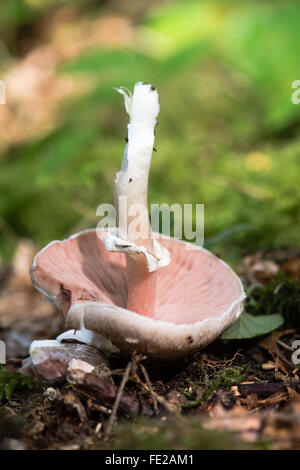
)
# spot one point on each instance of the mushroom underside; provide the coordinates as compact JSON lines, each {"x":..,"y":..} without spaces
{"x":197,"y":295}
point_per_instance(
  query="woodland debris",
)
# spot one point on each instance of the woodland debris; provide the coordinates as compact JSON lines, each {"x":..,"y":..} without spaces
{"x":236,"y":420}
{"x":270,"y":365}
{"x":105,"y":393}
{"x":176,"y":399}
{"x":23,"y":313}
{"x":292,"y":268}
{"x":51,"y":360}
{"x":71,"y":400}
{"x":115,"y":407}
{"x":258,"y":269}
{"x":267,"y":388}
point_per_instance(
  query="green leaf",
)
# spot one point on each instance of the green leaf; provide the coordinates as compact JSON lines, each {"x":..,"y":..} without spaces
{"x":249,"y":326}
{"x":11,"y":380}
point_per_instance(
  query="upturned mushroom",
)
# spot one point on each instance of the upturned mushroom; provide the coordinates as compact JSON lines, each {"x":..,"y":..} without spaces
{"x":133,"y":289}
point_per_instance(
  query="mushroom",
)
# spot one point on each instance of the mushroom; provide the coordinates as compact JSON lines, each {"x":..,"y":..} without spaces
{"x":134,"y":289}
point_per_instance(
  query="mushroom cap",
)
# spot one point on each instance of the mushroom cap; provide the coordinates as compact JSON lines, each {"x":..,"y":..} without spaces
{"x":198,"y":296}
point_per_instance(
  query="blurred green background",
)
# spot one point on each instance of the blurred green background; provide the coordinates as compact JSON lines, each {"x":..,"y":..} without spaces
{"x":228,"y":134}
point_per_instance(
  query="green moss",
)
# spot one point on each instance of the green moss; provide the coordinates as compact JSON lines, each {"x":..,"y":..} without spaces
{"x":11,"y":381}
{"x":224,"y":378}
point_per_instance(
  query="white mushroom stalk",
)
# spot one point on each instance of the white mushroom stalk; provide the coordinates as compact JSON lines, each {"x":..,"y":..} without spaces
{"x":134,"y":237}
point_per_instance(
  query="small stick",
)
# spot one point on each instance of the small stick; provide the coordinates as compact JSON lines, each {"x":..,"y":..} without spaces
{"x":267,"y":388}
{"x":286,"y":346}
{"x":117,"y":400}
{"x":155,"y":396}
{"x":152,"y":393}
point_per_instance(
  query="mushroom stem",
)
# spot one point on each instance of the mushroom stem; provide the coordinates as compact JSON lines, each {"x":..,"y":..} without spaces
{"x":141,"y":286}
{"x":130,"y":191}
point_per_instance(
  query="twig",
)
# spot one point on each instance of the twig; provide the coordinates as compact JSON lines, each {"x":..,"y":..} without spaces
{"x":153,"y":394}
{"x":136,"y":359}
{"x":286,"y":346}
{"x":117,"y":400}
{"x":267,"y":388}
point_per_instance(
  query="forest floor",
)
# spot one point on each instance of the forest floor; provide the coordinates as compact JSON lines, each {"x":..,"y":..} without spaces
{"x":235,"y":394}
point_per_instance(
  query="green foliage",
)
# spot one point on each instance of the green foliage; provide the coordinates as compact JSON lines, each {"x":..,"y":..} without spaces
{"x":225,"y":117}
{"x":250,"y":326}
{"x":224,"y":378}
{"x":267,"y":308}
{"x":11,"y":381}
{"x":281,"y":296}
{"x":13,"y":14}
{"x":273,"y":65}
